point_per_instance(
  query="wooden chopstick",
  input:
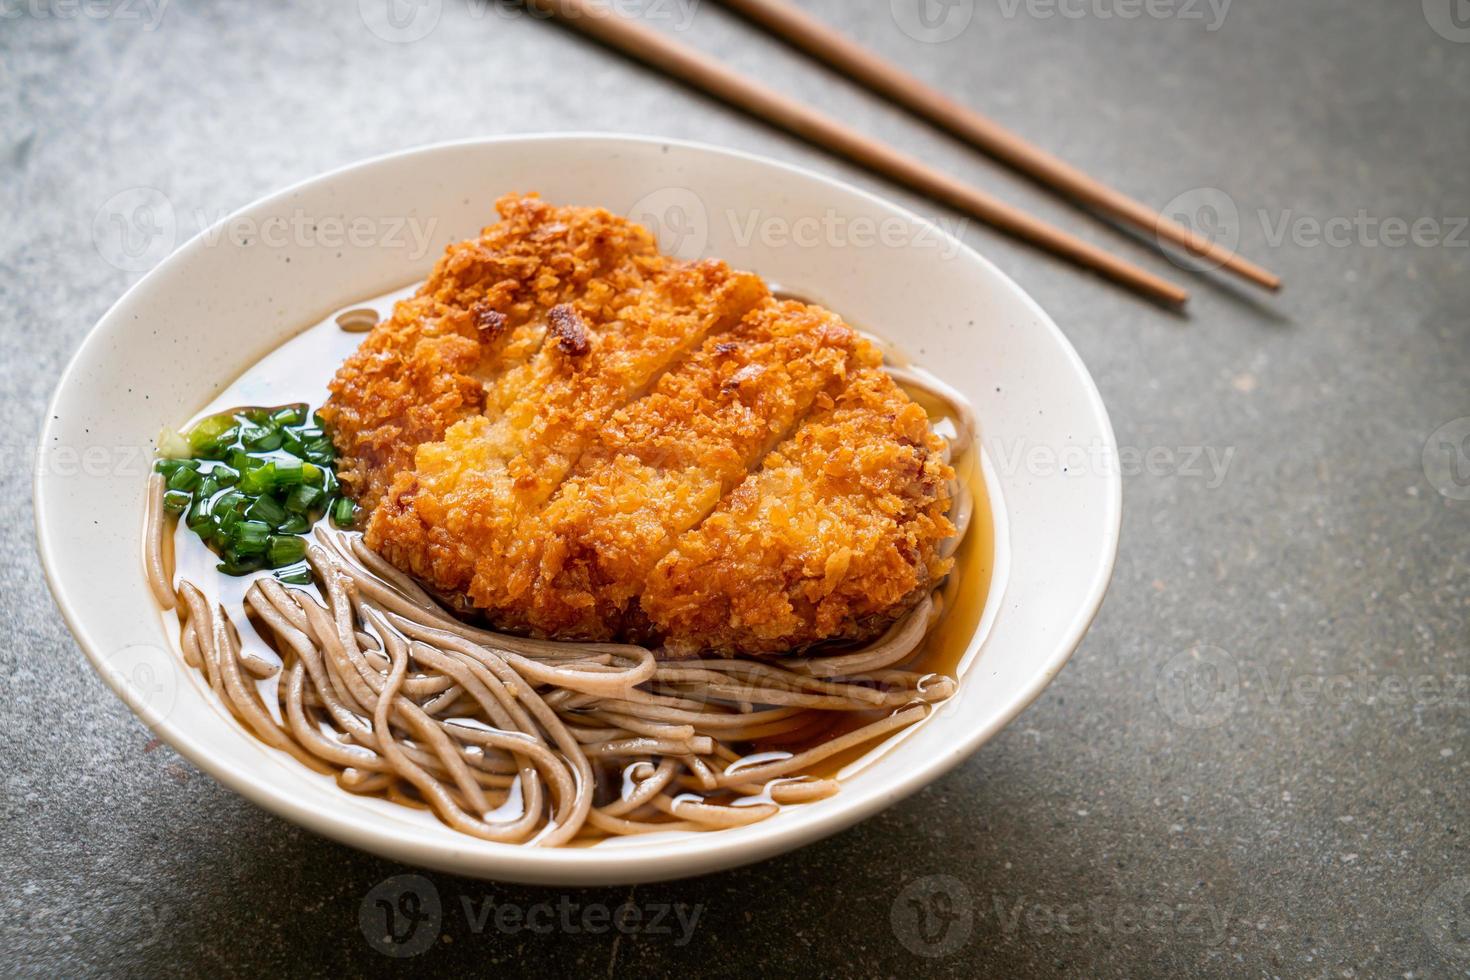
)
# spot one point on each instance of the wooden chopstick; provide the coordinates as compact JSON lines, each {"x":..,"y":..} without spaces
{"x":828,"y":45}
{"x":703,"y":72}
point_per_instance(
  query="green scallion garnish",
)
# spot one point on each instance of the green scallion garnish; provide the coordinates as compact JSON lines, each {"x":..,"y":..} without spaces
{"x":267,"y":510}
{"x":251,"y":482}
{"x":234,"y":563}
{"x":176,"y":501}
{"x":285,"y":549}
{"x":184,"y":479}
{"x":304,"y":499}
{"x":295,"y":524}
{"x":250,"y":537}
{"x":290,"y":473}
{"x":262,"y":438}
{"x":320,"y":451}
{"x":258,"y":479}
{"x":168,"y":466}
{"x":199,"y":519}
{"x":212,"y":437}
{"x":298,"y":574}
{"x":344,"y":513}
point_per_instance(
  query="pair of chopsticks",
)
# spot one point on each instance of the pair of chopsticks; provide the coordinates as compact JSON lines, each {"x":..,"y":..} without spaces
{"x":805,"y":32}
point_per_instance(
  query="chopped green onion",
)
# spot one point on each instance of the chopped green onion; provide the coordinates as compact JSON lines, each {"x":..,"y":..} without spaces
{"x":227,"y":511}
{"x":285,"y":549}
{"x":199,"y":519}
{"x":184,"y":478}
{"x":251,"y":537}
{"x":262,"y":439}
{"x":294,"y":524}
{"x":237,"y":564}
{"x":299,"y":574}
{"x":344,"y":513}
{"x":320,"y":451}
{"x":173,"y":445}
{"x":177,"y":501}
{"x":304,"y":499}
{"x":225,"y":476}
{"x":267,"y":510}
{"x":251,"y":482}
{"x":168,"y":466}
{"x":289,"y":474}
{"x":261,"y":479}
{"x":213,"y":436}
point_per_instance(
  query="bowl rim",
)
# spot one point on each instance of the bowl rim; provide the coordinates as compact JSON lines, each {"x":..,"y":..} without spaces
{"x":713,"y":851}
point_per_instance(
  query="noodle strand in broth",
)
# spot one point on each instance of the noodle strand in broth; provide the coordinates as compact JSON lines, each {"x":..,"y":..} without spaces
{"x":526,"y":741}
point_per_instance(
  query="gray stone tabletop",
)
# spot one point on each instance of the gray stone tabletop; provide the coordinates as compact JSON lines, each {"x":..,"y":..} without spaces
{"x":1296,"y":535}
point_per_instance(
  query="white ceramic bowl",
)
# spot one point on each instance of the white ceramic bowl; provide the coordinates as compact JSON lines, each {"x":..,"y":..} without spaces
{"x":227,"y":297}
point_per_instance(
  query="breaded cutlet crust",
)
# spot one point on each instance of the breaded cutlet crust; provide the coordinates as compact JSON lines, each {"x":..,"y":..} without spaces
{"x":835,"y":531}
{"x":568,"y":434}
{"x":576,"y":567}
{"x":480,"y":313}
{"x":462,"y":500}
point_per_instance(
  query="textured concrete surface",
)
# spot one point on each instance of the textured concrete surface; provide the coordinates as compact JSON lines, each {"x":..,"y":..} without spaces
{"x":1256,"y":763}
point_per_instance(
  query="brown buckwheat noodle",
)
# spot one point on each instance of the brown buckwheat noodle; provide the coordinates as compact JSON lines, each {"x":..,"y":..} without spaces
{"x":526,"y":741}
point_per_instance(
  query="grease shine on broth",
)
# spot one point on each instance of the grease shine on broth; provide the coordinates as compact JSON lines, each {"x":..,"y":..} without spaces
{"x":360,"y":675}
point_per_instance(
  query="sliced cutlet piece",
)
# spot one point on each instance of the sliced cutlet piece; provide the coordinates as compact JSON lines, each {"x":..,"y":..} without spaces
{"x":834,"y":537}
{"x":465,"y":493}
{"x":660,"y":465}
{"x":481,"y":313}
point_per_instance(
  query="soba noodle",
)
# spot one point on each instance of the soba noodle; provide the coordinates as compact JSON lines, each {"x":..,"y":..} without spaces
{"x":504,"y":737}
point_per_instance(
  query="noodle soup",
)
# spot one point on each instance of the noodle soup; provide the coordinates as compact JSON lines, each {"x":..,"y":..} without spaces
{"x":361,"y":674}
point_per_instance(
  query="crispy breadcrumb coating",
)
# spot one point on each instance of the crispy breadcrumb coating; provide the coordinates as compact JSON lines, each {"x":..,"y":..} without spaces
{"x":462,"y":499}
{"x":660,"y":465}
{"x":571,"y":435}
{"x":482,"y":312}
{"x":835,"y":531}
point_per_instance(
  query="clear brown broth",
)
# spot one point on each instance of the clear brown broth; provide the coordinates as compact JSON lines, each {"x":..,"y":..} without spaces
{"x":299,"y":371}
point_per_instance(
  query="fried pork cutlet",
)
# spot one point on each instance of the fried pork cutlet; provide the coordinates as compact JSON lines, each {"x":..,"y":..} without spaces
{"x":835,"y":531}
{"x":576,"y":437}
{"x":482,"y":312}
{"x":660,"y":465}
{"x":461,"y":502}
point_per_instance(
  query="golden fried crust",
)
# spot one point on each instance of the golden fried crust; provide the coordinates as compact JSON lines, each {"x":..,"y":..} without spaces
{"x":482,"y":312}
{"x":660,"y":465}
{"x":584,"y":439}
{"x":834,"y":534}
{"x":462,"y":500}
